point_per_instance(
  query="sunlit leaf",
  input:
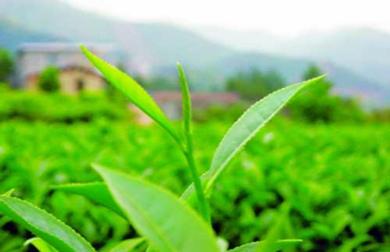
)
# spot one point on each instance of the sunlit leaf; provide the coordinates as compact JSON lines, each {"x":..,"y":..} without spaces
{"x":249,"y":124}
{"x":96,"y":192}
{"x":276,"y":246}
{"x":271,"y":239}
{"x":127,"y":245}
{"x":166,"y":222}
{"x":44,"y":225}
{"x":246,"y":127}
{"x":40,"y":245}
{"x":132,"y":90}
{"x":9,"y":193}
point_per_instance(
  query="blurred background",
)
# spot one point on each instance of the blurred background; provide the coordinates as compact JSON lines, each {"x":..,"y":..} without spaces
{"x":326,"y":154}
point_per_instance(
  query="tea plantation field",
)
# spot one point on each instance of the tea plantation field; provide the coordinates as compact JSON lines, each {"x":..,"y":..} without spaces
{"x":336,"y":178}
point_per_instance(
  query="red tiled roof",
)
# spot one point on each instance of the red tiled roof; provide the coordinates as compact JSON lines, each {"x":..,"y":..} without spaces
{"x":196,"y":97}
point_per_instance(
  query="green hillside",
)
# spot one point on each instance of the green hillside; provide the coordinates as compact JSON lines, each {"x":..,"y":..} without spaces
{"x":154,"y":48}
{"x":152,"y":44}
{"x":12,"y":35}
{"x":360,"y":50}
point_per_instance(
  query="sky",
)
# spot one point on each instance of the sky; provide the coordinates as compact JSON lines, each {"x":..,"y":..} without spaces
{"x":281,"y":17}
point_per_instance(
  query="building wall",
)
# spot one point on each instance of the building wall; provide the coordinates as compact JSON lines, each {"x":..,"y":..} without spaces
{"x":72,"y":81}
{"x":35,"y":62}
{"x":33,"y":58}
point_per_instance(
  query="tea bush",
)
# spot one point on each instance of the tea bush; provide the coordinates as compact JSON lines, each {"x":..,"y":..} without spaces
{"x":7,"y":65}
{"x":287,"y":183}
{"x":57,"y":107}
{"x":165,"y":221}
{"x":338,"y":174}
{"x":49,"y":79}
{"x":318,"y":103}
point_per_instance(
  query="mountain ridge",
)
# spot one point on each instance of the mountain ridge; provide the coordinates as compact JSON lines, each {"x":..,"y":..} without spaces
{"x":150,"y":48}
{"x":360,"y":50}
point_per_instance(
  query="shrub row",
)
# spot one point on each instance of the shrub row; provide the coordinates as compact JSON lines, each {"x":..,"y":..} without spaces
{"x":56,"y":107}
{"x":335,"y":178}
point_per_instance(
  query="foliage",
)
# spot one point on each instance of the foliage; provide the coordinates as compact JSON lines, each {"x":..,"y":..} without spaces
{"x":6,"y":65}
{"x":251,"y":121}
{"x":380,"y":115}
{"x":332,"y":177}
{"x":227,"y":113}
{"x":49,"y":80}
{"x":46,"y":226}
{"x":319,"y":104}
{"x":114,"y":94}
{"x":158,"y":83}
{"x":254,"y":84}
{"x":56,"y":107}
{"x":330,"y":174}
{"x":165,"y":221}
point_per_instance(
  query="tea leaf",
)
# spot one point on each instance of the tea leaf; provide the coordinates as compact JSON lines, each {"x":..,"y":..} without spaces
{"x":127,"y":245}
{"x":268,"y":245}
{"x":96,"y":192}
{"x":188,"y":152}
{"x":9,"y":192}
{"x":186,"y":99}
{"x":166,"y":222}
{"x":40,"y":245}
{"x":44,"y":225}
{"x":276,"y":246}
{"x":132,"y":90}
{"x":248,"y":125}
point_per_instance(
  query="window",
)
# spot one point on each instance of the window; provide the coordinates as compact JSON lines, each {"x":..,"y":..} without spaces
{"x":80,"y":85}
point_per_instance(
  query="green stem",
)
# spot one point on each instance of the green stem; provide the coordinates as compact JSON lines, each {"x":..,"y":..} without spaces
{"x":202,"y":202}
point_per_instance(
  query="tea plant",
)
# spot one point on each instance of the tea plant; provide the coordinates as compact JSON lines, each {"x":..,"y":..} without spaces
{"x":166,"y":222}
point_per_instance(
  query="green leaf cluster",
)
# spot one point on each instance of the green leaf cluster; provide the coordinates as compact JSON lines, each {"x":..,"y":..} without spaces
{"x":49,"y":79}
{"x":166,"y":222}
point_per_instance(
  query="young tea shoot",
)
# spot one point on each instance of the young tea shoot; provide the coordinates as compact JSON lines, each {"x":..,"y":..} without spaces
{"x":165,"y":221}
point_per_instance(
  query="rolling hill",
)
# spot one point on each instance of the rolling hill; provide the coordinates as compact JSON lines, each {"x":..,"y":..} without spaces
{"x":154,"y":48}
{"x":12,"y":35}
{"x":364,"y":51}
{"x":361,"y":50}
{"x":348,"y":83}
{"x":146,"y":44}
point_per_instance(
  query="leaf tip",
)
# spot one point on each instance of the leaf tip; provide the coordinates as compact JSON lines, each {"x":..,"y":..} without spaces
{"x":83,"y":48}
{"x":87,"y":53}
{"x":180,"y":68}
{"x":318,"y":78}
{"x":59,"y":187}
{"x":9,"y":193}
{"x":101,"y":170}
{"x":96,"y":166}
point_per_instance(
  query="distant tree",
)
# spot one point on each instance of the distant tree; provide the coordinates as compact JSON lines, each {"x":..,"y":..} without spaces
{"x":254,"y":84}
{"x":142,"y":80}
{"x":49,"y":80}
{"x":163,"y":83}
{"x":157,"y":83}
{"x":317,"y":103}
{"x":6,"y":65}
{"x":311,"y":72}
{"x":380,"y":115}
{"x":274,"y":80}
